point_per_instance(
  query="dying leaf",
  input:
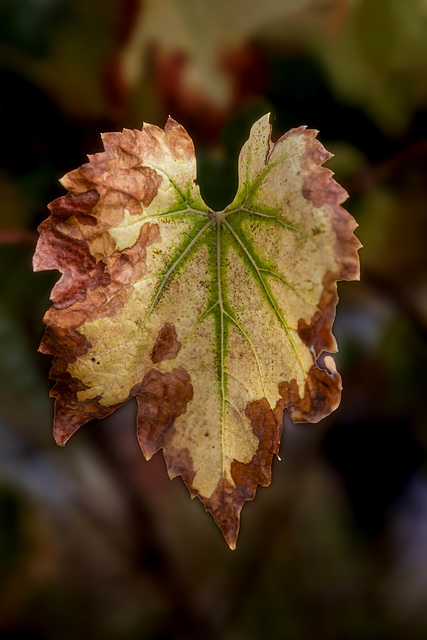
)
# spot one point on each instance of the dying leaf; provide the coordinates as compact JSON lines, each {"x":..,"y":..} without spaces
{"x":212,"y":320}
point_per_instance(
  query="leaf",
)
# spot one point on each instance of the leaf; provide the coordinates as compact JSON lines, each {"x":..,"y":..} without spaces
{"x":212,"y":320}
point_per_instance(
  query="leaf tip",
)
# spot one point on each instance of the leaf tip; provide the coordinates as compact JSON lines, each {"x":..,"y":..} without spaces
{"x":265,"y":119}
{"x":59,"y":438}
{"x":170,"y":123}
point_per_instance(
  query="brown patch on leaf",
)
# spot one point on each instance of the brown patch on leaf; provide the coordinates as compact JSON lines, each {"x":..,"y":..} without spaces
{"x":118,"y":168}
{"x":178,"y":140}
{"x":80,"y":205}
{"x":346,"y":245}
{"x":268,"y":431}
{"x":87,"y":286}
{"x":57,"y":340}
{"x":71,"y":413}
{"x":130,"y":265}
{"x":322,"y":394}
{"x":317,"y":334}
{"x":227,"y":500}
{"x":72,"y":258}
{"x":225,"y":505}
{"x":180,"y":463}
{"x":93,"y":223}
{"x":162,"y":397}
{"x":322,"y":389}
{"x":95,"y":305}
{"x":320,"y":188}
{"x":167,"y":345}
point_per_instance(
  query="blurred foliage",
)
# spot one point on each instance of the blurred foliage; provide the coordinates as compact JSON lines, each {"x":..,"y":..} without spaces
{"x":96,"y":542}
{"x":378,"y":60}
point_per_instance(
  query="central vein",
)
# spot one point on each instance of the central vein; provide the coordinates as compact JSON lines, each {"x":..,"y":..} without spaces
{"x":221,"y":346}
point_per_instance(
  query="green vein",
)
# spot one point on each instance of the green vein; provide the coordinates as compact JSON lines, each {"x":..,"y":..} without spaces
{"x":287,"y":225}
{"x":269,"y":296}
{"x":288,"y":284}
{"x":172,"y":182}
{"x":189,"y":210}
{"x":165,"y":278}
{"x":258,"y":180}
{"x":172,"y":268}
{"x":133,"y":284}
{"x":221,"y":355}
{"x":206,"y":313}
{"x":143,"y":219}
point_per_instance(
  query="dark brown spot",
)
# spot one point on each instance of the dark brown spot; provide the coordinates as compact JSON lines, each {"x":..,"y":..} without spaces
{"x":57,"y":341}
{"x":162,"y":397}
{"x":167,"y":345}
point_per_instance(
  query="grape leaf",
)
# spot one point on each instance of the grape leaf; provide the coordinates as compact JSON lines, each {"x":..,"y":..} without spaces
{"x":212,"y":320}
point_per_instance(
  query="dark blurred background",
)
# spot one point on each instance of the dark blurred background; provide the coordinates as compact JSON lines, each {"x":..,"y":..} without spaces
{"x":96,"y":542}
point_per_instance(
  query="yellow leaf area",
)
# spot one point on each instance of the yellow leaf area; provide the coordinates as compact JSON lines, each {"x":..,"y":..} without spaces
{"x":212,"y":320}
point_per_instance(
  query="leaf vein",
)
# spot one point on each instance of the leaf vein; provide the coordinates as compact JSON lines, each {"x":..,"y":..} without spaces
{"x":221,"y":356}
{"x":172,"y":269}
{"x":287,"y":225}
{"x":245,"y":334}
{"x":259,"y":179}
{"x":268,"y":295}
{"x":288,"y":284}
